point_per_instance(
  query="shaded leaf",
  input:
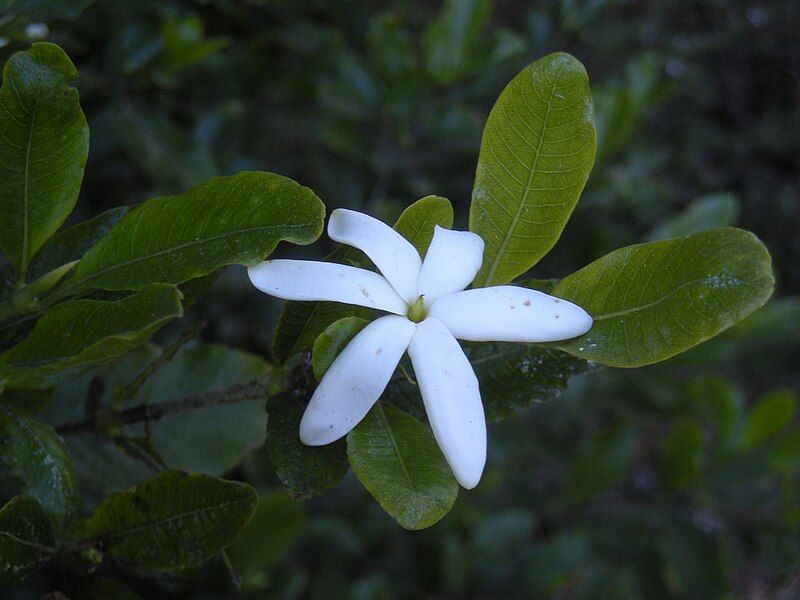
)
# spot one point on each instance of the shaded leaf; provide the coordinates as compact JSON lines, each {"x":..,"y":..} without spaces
{"x":26,"y":539}
{"x":512,"y":375}
{"x":38,"y":458}
{"x":72,"y":243}
{"x":83,"y":332}
{"x":681,"y":452}
{"x":99,"y":588}
{"x":332,"y":341}
{"x":210,"y":440}
{"x":599,"y":465}
{"x":536,"y":153}
{"x":227,"y":220}
{"x":305,"y":471}
{"x":172,"y":521}
{"x":397,"y":459}
{"x":708,"y":212}
{"x":44,"y":142}
{"x":769,"y":415}
{"x":652,"y":301}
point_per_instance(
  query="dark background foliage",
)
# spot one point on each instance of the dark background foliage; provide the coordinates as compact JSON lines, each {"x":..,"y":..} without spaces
{"x":667,"y":481}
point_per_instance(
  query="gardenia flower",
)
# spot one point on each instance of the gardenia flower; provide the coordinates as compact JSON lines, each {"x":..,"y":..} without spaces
{"x":429,"y":310}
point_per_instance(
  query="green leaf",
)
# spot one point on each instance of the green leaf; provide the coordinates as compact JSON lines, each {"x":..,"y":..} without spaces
{"x":652,"y":301}
{"x":332,"y":341}
{"x":99,"y":588}
{"x":512,"y":376}
{"x":599,"y":465}
{"x":301,"y":323}
{"x":681,"y":453}
{"x":172,"y":521}
{"x":26,"y":539}
{"x":417,"y":222}
{"x":44,"y":142}
{"x":267,"y":539}
{"x":227,"y":220}
{"x":37,"y":457}
{"x":536,"y":154}
{"x":72,"y":243}
{"x":83,"y":332}
{"x":397,"y":459}
{"x":305,"y":471}
{"x":708,"y":212}
{"x":769,"y":415}
{"x":211,"y":440}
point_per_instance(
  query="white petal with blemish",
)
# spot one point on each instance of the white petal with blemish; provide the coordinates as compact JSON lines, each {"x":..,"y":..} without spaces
{"x":355,"y":380}
{"x":508,"y":313}
{"x":313,"y":280}
{"x":452,"y":261}
{"x":394,"y":256}
{"x":452,"y":400}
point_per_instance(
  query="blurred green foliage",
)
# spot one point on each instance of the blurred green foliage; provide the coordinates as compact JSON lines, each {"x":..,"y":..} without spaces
{"x":676,"y":480}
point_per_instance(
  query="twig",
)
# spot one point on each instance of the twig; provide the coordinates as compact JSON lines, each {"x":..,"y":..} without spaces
{"x":236,"y":579}
{"x":251,"y":390}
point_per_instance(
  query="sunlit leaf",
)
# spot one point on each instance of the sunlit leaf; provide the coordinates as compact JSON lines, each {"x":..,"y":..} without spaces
{"x":397,"y":459}
{"x":536,"y":153}
{"x":44,"y":142}
{"x":172,"y":521}
{"x":652,"y":301}
{"x":418,"y":221}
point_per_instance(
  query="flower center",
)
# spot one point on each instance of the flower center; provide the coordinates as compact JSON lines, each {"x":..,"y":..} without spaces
{"x":416,"y":312}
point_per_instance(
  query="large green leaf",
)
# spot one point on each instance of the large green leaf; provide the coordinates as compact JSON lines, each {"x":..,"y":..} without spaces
{"x":210,"y":440}
{"x":302,"y":322}
{"x":172,"y":521}
{"x":72,"y":243}
{"x":397,"y":459}
{"x":26,"y":539}
{"x":38,"y":458}
{"x":44,"y":142}
{"x":652,"y":301}
{"x":83,"y":332}
{"x":305,"y":471}
{"x":514,"y":375}
{"x":235,"y":219}
{"x":536,"y":153}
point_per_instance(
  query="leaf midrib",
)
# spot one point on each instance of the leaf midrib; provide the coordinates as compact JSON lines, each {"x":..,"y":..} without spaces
{"x":672,"y":292}
{"x":507,"y":237}
{"x":29,"y":543}
{"x":396,"y":447}
{"x":23,"y":263}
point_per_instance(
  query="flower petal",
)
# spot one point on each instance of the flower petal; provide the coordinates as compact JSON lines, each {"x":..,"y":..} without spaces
{"x":452,"y":261}
{"x":507,"y":313}
{"x":394,"y":256}
{"x":313,"y":280}
{"x":355,"y":380}
{"x":452,"y":399}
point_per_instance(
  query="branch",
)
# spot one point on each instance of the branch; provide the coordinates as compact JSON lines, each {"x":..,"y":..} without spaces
{"x":251,"y":390}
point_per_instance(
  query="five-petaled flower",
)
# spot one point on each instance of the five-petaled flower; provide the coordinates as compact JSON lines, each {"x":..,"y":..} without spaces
{"x":429,"y":309}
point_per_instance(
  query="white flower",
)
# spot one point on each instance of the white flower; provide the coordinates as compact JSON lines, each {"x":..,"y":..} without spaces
{"x":429,"y":310}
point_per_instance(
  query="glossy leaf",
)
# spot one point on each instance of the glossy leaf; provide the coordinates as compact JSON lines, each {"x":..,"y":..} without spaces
{"x":44,"y":142}
{"x":512,"y":376}
{"x":302,"y":322}
{"x":83,"y":332}
{"x":37,"y":457}
{"x":652,"y":301}
{"x":332,"y":341}
{"x":536,"y":153}
{"x":72,"y":243}
{"x":172,"y":521}
{"x":769,"y":415}
{"x":227,"y":220}
{"x":397,"y":459}
{"x":211,"y":440}
{"x":305,"y":471}
{"x":26,"y":539}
